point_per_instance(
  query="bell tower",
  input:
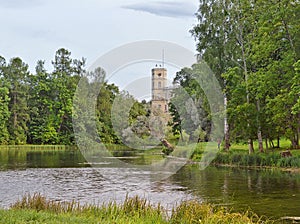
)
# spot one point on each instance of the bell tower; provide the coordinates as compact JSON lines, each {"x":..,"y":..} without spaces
{"x":159,"y":84}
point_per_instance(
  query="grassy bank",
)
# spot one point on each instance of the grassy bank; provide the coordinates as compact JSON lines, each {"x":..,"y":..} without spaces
{"x":273,"y":159}
{"x":36,"y":147}
{"x":238,"y":155}
{"x":37,"y":209}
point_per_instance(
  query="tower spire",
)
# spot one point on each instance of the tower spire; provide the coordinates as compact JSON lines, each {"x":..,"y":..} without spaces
{"x":163,"y":58}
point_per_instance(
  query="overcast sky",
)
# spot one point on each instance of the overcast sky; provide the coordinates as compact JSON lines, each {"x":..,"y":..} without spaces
{"x":35,"y":29}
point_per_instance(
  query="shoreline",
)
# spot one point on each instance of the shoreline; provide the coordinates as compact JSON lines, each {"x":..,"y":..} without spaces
{"x":284,"y":169}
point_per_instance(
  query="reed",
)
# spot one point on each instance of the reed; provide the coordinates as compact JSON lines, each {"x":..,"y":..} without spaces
{"x":195,"y":212}
{"x":37,"y":209}
{"x":257,"y":160}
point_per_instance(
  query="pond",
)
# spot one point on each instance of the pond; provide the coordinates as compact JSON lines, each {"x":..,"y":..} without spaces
{"x":65,"y":175}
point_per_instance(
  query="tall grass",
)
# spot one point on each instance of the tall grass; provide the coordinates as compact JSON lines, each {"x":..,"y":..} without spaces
{"x":37,"y":209}
{"x":39,"y":203}
{"x":195,"y":212}
{"x":257,"y":159}
{"x":134,"y":208}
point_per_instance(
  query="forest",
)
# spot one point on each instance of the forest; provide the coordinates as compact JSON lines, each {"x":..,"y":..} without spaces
{"x":252,"y":47}
{"x":37,"y":108}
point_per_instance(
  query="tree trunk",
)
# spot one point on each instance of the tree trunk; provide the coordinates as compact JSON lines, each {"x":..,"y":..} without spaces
{"x":181,"y":136}
{"x":259,"y":135}
{"x":295,"y":142}
{"x":278,"y":142}
{"x":15,"y":112}
{"x":267,"y":145}
{"x":226,"y":127}
{"x":298,"y":132}
{"x":250,"y":141}
{"x":272,"y":143}
{"x":260,"y":141}
{"x":250,"y":144}
{"x":227,"y":141}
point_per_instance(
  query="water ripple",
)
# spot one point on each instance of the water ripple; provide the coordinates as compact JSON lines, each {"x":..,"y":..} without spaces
{"x":88,"y":185}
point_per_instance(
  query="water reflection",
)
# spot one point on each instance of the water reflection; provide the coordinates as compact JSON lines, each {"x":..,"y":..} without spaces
{"x":267,"y":192}
{"x":66,"y":175}
{"x":23,"y":158}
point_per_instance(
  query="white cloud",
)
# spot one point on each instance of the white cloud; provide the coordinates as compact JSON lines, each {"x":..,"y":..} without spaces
{"x":165,"y":8}
{"x":35,"y":29}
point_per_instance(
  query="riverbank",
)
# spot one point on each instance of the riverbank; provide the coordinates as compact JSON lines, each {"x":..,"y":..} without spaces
{"x":38,"y":209}
{"x":260,"y":160}
{"x":238,"y":156}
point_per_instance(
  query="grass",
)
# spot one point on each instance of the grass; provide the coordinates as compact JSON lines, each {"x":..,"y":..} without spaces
{"x":36,"y":147}
{"x":238,"y":155}
{"x":37,"y":209}
{"x":257,"y":160}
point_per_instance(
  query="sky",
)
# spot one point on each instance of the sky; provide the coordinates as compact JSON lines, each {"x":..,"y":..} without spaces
{"x":34,"y":29}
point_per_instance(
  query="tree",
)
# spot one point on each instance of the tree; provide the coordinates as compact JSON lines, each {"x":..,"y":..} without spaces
{"x":15,"y":75}
{"x":130,"y":120}
{"x":220,"y":40}
{"x":51,"y":100}
{"x":86,"y":122}
{"x":189,"y":106}
{"x":253,"y":45}
{"x":275,"y":51}
{"x":105,"y":99}
{"x":65,"y":77}
{"x":240,"y":112}
{"x":42,"y":128}
{"x":4,"y":104}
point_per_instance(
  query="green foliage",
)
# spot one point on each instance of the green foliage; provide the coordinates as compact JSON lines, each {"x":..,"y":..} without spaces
{"x":189,"y":106}
{"x":50,"y":101}
{"x":105,"y":99}
{"x":253,"y":48}
{"x":38,"y":108}
{"x":15,"y":75}
{"x":130,"y":120}
{"x":4,"y":115}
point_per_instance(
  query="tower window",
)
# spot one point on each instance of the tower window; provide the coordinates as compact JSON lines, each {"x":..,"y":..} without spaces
{"x":159,"y":84}
{"x":159,"y":74}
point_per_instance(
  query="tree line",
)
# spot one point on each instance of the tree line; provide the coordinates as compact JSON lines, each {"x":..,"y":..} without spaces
{"x":36,"y":108}
{"x":253,"y":48}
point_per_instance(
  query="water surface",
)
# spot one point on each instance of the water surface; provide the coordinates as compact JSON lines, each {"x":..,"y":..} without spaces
{"x":66,"y":175}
